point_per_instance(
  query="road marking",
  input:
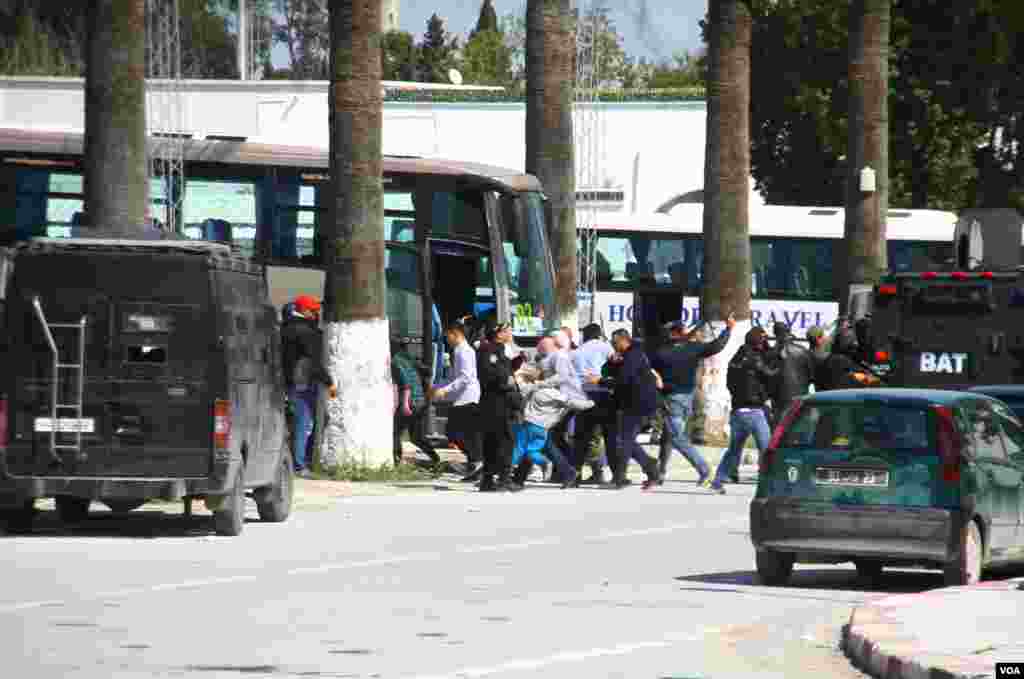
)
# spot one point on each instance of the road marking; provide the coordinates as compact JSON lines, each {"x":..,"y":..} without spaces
{"x":570,"y":657}
{"x":370,"y":563}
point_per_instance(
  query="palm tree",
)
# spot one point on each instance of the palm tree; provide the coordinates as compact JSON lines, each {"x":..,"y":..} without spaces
{"x":115,"y":170}
{"x":726,"y":284}
{"x":550,"y":51}
{"x":864,"y":260}
{"x":358,"y":428}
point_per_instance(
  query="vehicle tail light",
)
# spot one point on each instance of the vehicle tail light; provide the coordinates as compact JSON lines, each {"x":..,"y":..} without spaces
{"x":887,"y":290}
{"x":3,"y":422}
{"x":881,"y":357}
{"x":949,"y":444}
{"x":222,"y":424}
{"x":929,"y":275}
{"x":766,"y":457}
{"x":959,"y":275}
{"x":988,"y":275}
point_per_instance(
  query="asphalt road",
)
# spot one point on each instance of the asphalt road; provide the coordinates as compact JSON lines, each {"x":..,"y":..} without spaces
{"x":426,"y":584}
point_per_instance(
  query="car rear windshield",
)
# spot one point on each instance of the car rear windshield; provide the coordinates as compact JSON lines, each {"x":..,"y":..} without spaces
{"x":860,"y":427}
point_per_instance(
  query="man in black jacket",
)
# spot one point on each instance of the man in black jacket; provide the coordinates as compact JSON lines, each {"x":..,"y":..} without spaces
{"x":796,"y":365}
{"x":494,"y":370}
{"x":636,"y":399}
{"x":677,"y":364}
{"x":302,"y":360}
{"x":751,"y":371}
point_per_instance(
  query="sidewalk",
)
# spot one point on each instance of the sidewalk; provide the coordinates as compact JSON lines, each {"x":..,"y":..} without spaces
{"x":951,"y":633}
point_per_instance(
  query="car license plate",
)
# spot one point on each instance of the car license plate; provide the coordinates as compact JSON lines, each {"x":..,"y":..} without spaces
{"x":66,"y":425}
{"x":829,"y":476}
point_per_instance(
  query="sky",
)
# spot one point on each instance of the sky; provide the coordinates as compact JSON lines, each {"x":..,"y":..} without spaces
{"x":651,"y":28}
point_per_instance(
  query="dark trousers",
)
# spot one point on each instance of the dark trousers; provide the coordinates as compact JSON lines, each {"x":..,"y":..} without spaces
{"x":498,"y":444}
{"x":416,"y":425}
{"x":602,"y":418}
{"x":559,"y":446}
{"x":464,"y":431}
{"x":630,"y":426}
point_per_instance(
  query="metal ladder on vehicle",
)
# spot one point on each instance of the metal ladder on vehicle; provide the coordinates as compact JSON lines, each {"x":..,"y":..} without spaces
{"x":56,"y":407}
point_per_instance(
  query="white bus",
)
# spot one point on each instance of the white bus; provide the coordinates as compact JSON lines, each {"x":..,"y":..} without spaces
{"x":791,"y":256}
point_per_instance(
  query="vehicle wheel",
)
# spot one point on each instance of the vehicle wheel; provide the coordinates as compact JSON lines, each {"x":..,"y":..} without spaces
{"x":123,"y":506}
{"x":868,"y":570}
{"x":230,"y":518}
{"x":21,"y":519}
{"x":774,"y":568}
{"x":274,"y":502}
{"x":966,"y":570}
{"x":72,"y":509}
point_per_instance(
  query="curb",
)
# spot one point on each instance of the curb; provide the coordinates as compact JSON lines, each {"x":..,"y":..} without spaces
{"x":877,"y":643}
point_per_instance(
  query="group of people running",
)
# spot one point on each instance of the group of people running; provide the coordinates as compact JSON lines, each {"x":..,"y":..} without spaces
{"x":508,"y":414}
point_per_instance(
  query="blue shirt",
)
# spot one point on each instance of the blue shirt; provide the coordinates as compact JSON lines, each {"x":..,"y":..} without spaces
{"x":590,"y":358}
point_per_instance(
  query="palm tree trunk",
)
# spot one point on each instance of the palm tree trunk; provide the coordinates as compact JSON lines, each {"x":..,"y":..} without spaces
{"x":550,"y":50}
{"x":115,"y":175}
{"x":865,"y":259}
{"x":359,"y":423}
{"x":726,"y":285}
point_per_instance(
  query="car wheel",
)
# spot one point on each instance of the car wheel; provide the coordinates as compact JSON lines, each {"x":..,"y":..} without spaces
{"x":21,"y":519}
{"x":123,"y":506}
{"x":72,"y":509}
{"x":274,"y":502}
{"x":774,"y":568}
{"x":230,"y":518}
{"x":966,"y":570}
{"x":868,"y":570}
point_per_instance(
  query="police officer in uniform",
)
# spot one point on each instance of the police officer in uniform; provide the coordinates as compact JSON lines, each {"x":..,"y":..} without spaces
{"x":497,"y":407}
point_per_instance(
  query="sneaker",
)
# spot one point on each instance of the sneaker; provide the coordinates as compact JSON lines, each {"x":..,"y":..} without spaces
{"x":304,"y":474}
{"x":595,"y":479}
{"x":650,"y":484}
{"x":619,"y":484}
{"x":718,"y":488}
{"x":734,"y":478}
{"x":704,"y":481}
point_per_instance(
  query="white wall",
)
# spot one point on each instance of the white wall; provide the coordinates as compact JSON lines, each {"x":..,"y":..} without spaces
{"x":669,"y":137}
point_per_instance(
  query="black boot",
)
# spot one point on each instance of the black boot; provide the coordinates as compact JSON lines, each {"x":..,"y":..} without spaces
{"x":522,"y":472}
{"x":487,"y":484}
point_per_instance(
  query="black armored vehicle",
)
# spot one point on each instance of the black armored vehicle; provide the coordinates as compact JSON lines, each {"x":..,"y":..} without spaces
{"x":138,"y":370}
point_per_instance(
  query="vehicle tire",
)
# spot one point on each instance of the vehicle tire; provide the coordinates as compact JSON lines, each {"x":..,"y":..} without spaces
{"x":120,"y":506}
{"x":230,"y":518}
{"x":274,"y":502}
{"x":966,"y":570}
{"x":868,"y":570}
{"x":72,"y":509}
{"x":22,"y":519}
{"x":774,"y":568}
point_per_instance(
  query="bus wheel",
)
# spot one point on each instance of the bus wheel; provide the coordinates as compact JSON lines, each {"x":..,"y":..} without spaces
{"x":230,"y":518}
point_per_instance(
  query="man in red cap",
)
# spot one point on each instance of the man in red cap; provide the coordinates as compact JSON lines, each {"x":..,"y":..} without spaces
{"x":303,"y":351}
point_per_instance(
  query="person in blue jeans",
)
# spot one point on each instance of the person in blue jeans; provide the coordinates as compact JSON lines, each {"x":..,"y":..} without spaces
{"x":752,"y":372}
{"x":302,"y":359}
{"x":677,"y":364}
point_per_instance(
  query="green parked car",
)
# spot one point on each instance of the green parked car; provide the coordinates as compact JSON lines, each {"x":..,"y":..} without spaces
{"x":891,"y":477}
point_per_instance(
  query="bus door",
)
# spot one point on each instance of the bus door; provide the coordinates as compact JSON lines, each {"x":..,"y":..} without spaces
{"x":653,"y":308}
{"x":461,"y":283}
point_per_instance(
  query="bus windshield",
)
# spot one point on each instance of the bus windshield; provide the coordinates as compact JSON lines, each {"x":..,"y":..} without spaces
{"x":527,"y":260}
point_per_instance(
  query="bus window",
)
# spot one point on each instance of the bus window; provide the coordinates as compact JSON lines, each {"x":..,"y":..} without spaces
{"x":211,"y":201}
{"x":907,"y":256}
{"x":459,"y":215}
{"x":399,"y":217}
{"x":404,"y":291}
{"x":531,"y":286}
{"x":625,"y":261}
{"x":791,"y":268}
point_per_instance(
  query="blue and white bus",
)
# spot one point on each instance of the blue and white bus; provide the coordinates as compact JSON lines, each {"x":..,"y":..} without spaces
{"x":791,"y":256}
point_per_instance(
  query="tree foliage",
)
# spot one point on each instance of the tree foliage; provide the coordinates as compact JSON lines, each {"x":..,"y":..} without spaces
{"x":487,"y":60}
{"x":955,"y":95}
{"x":398,"y":50}
{"x":437,"y":52}
{"x":488,"y":20}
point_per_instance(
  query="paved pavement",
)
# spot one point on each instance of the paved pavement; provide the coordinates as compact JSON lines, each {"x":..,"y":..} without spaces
{"x":950,"y":633}
{"x":412,"y":582}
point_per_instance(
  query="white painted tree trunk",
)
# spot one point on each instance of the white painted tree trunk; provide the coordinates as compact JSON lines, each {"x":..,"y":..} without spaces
{"x":358,"y":427}
{"x":713,"y":401}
